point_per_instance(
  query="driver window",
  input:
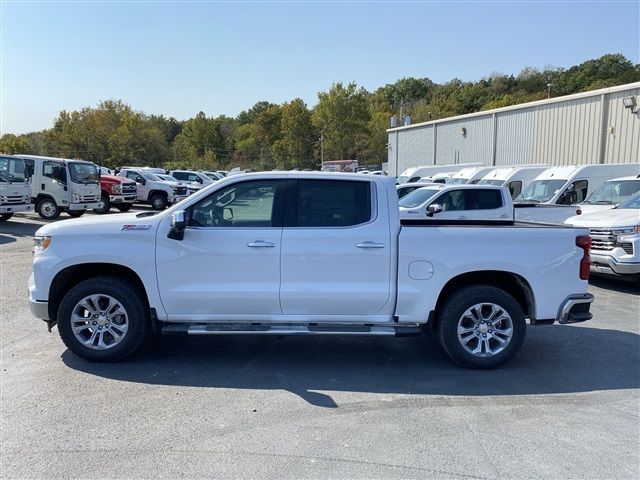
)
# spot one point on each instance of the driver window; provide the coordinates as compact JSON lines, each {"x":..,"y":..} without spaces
{"x":247,"y":204}
{"x":575,"y":193}
{"x":451,"y":201}
{"x":515,"y":188}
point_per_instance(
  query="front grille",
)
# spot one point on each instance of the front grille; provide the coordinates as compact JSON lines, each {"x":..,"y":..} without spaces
{"x":89,"y":198}
{"x":627,"y":247}
{"x":13,"y":199}
{"x":602,"y":240}
{"x":180,"y":190}
{"x":128,"y":188}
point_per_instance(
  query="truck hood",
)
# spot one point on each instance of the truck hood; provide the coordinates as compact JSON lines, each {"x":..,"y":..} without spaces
{"x":609,"y":218}
{"x":97,"y":224}
{"x":587,"y":208}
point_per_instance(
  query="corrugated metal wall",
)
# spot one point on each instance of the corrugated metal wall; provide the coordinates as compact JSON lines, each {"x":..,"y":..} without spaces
{"x":581,"y":129}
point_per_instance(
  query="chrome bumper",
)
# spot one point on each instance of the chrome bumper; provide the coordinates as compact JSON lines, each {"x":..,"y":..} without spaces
{"x":84,"y":206}
{"x":607,"y":264}
{"x":575,"y":308}
{"x":39,"y":309}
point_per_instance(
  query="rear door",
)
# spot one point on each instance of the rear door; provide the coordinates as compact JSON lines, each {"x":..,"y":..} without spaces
{"x":336,"y":248}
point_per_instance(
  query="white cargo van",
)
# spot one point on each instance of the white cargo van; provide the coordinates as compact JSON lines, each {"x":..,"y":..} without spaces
{"x":611,"y":193}
{"x":63,"y":185}
{"x":572,"y":184}
{"x":514,"y":178}
{"x":414,"y":174}
{"x":470,"y":175}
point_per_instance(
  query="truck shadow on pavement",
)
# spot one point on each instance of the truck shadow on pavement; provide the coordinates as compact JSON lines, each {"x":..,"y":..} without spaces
{"x":553,"y":360}
{"x":619,"y":285}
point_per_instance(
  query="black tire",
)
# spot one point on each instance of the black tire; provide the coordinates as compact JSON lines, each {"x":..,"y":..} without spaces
{"x":5,"y":216}
{"x":452,"y":312}
{"x":47,"y":209}
{"x":124,"y":207}
{"x":158,"y":201}
{"x":75,"y":213}
{"x":106,"y":205}
{"x":130,"y":297}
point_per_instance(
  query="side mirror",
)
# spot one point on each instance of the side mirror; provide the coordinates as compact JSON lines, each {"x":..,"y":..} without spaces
{"x":178,"y":225}
{"x":433,"y":209}
{"x":142,"y":180}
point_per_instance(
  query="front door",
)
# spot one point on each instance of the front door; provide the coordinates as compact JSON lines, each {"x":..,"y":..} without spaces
{"x":336,"y":251}
{"x":227,"y":267}
{"x":54,"y":182}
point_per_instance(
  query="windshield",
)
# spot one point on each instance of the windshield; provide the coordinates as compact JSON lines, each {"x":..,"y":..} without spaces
{"x":540,"y":191}
{"x":166,"y":178}
{"x":402,"y":179}
{"x":211,"y":176}
{"x":417,"y":197}
{"x":83,"y":172}
{"x":631,"y":203}
{"x":613,"y":192}
{"x":12,"y":170}
{"x":150,"y":176}
{"x":491,"y":182}
{"x":458,"y":181}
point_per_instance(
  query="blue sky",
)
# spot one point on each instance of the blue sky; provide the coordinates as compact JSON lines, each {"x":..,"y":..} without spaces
{"x":179,"y":58}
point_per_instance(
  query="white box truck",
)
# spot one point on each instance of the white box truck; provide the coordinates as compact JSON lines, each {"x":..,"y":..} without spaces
{"x":15,"y":191}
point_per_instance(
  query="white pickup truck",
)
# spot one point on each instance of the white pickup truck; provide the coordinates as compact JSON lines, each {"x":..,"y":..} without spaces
{"x":454,"y":202}
{"x":305,"y":254}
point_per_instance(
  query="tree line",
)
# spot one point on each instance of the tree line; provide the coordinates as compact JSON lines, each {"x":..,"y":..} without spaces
{"x":347,"y":122}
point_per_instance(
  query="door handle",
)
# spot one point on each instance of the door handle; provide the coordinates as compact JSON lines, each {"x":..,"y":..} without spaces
{"x":370,"y":245}
{"x":261,"y":244}
{"x":463,"y":217}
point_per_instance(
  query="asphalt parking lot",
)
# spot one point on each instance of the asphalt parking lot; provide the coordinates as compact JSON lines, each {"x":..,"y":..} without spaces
{"x":567,"y":406}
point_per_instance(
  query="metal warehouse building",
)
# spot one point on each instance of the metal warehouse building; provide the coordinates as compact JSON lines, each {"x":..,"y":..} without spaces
{"x":601,"y":126}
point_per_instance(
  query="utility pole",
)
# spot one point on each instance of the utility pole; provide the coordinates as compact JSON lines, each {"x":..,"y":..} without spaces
{"x":321,"y":148}
{"x":549,"y":85}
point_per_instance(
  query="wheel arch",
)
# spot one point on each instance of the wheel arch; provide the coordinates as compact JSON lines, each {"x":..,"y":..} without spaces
{"x":512,"y":283}
{"x":71,"y":276}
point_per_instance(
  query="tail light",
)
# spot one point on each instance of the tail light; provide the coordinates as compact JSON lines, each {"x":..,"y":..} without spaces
{"x":584,"y":242}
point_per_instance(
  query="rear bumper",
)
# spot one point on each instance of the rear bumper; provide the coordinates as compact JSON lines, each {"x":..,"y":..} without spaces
{"x":575,"y":308}
{"x":25,"y":207}
{"x":607,"y":264}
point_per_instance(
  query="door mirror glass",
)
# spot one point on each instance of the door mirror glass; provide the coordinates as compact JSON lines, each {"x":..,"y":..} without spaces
{"x":433,"y":209}
{"x":178,"y":225}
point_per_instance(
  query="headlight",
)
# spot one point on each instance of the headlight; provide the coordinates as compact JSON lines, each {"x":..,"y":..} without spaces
{"x":41,"y":244}
{"x":116,"y":188}
{"x":626,"y":231}
{"x":75,"y":198}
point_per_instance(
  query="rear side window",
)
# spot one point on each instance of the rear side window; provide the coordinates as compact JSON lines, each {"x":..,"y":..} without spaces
{"x":476,"y":199}
{"x":330,"y":203}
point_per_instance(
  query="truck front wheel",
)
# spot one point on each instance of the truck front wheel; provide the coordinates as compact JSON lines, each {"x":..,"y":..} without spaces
{"x":103,"y":319}
{"x":5,"y":216}
{"x":105,"y":205}
{"x":47,"y":209}
{"x":158,"y":201}
{"x":124,"y":207}
{"x":481,"y":326}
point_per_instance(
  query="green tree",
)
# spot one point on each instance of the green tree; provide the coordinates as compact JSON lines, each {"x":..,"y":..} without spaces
{"x":294,"y":149}
{"x":10,"y":143}
{"x":342,"y":116}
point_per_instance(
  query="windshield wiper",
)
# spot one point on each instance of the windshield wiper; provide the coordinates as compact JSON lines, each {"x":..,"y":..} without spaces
{"x":604,"y":202}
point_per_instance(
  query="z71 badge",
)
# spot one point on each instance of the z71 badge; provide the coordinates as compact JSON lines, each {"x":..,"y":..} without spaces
{"x":135,"y":227}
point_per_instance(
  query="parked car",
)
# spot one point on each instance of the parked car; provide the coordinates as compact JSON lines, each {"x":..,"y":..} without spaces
{"x":471,"y":175}
{"x":215,"y":176}
{"x":153,"y":190}
{"x":611,"y":193}
{"x":63,"y":185}
{"x":15,"y":190}
{"x":235,"y":258}
{"x":514,"y":178}
{"x":572,"y":184}
{"x":190,"y":177}
{"x":477,"y":202}
{"x":407,"y":188}
{"x":192,"y":187}
{"x":116,"y":191}
{"x":615,"y":238}
{"x":414,"y":174}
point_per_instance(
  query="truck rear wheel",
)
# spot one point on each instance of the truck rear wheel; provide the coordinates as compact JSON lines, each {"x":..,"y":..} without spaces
{"x":47,"y":209}
{"x":105,"y":205}
{"x":124,"y":207}
{"x":5,"y":216}
{"x":103,"y":319}
{"x":481,"y":326}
